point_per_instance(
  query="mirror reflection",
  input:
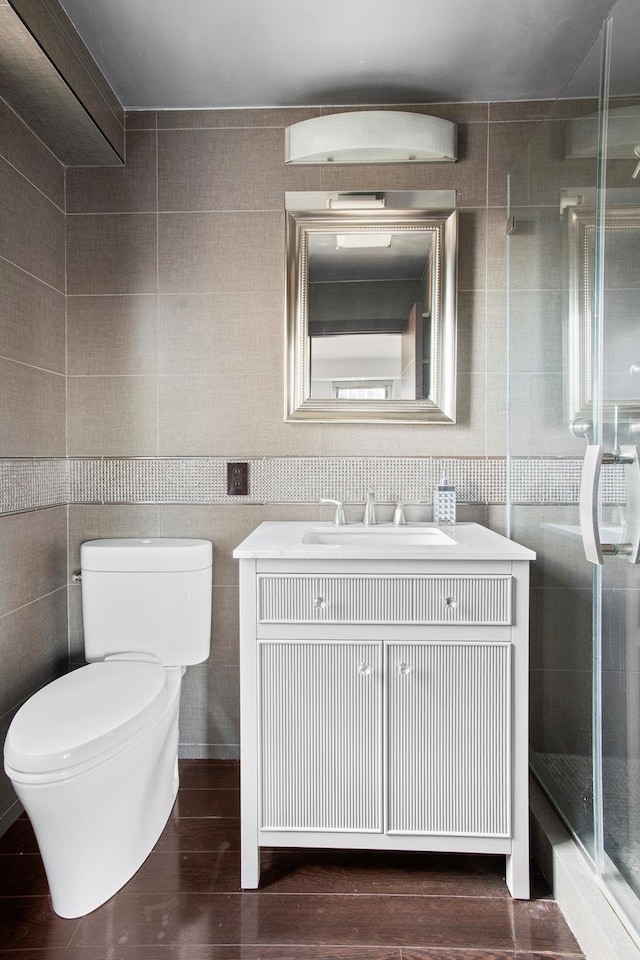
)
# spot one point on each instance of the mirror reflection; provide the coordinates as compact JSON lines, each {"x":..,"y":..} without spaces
{"x":621,"y":225}
{"x":369,"y":315}
{"x":371,"y":306}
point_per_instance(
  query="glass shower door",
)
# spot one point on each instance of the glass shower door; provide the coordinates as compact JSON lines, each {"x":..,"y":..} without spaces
{"x":617,"y":379}
{"x":552,"y":193}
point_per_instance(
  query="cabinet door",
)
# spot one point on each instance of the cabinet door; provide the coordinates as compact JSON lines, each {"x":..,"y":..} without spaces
{"x":449,"y":739}
{"x":321,"y":736}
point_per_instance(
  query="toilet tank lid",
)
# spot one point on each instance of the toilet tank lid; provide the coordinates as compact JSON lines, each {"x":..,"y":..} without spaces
{"x":146,"y":554}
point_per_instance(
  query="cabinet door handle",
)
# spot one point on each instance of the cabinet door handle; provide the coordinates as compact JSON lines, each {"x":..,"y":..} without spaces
{"x":404,"y":669}
{"x":364,"y":669}
{"x":319,"y":603}
{"x":450,"y":602}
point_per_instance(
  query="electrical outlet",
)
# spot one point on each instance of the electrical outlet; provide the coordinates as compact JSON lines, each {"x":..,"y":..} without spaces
{"x":238,"y":479}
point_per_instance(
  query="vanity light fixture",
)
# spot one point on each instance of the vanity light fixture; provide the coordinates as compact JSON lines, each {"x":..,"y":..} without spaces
{"x":371,"y":136}
{"x":362,"y":241}
{"x":356,"y":201}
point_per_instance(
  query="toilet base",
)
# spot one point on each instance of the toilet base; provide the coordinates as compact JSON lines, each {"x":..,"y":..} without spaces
{"x":95,"y":830}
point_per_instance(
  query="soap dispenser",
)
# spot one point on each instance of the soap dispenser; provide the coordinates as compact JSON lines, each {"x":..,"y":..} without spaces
{"x":444,"y":501}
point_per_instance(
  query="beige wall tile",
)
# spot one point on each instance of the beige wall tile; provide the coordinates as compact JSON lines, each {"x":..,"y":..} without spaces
{"x":210,"y":705}
{"x":10,"y":806}
{"x":127,"y":189}
{"x":465,"y":437}
{"x":32,"y":228}
{"x":140,"y":120}
{"x":228,"y":525}
{"x":225,"y":629}
{"x":103,"y":521}
{"x":497,"y":241}
{"x":240,"y":332}
{"x":471,"y":112}
{"x":220,"y":415}
{"x":468,"y":176}
{"x":221,"y":169}
{"x":33,"y":648}
{"x":33,"y":556}
{"x":520,"y":109}
{"x":64,"y":47}
{"x":539,"y":423}
{"x":76,"y":638}
{"x":497,"y":331}
{"x":33,"y":411}
{"x":29,"y":155}
{"x":560,"y":711}
{"x":472,"y":331}
{"x":112,"y":416}
{"x":496,"y":399}
{"x":472,"y":250}
{"x":560,"y":630}
{"x":221,"y":252}
{"x":536,"y":249}
{"x":32,"y":325}
{"x":537,"y":331}
{"x":112,"y":335}
{"x":111,"y":253}
{"x":265,"y":117}
{"x":560,"y":562}
{"x":507,"y":142}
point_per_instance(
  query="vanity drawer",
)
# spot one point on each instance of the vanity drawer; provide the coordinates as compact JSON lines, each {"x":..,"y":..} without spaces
{"x":384,"y":599}
{"x":334,"y":599}
{"x":466,"y":599}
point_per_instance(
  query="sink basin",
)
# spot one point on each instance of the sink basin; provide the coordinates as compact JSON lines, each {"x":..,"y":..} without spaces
{"x":379,"y":536}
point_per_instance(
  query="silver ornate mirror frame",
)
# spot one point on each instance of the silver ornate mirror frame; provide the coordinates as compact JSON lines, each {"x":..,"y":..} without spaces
{"x":581,"y":239}
{"x":430,"y":212}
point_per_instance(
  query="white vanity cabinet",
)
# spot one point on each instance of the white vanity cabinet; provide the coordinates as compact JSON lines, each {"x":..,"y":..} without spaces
{"x":384,"y":698}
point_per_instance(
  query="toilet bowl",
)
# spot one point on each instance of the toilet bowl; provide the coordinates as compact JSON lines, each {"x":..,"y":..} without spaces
{"x":93,"y":755}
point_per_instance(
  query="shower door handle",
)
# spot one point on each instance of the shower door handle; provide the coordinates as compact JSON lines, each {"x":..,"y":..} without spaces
{"x":594,"y":550}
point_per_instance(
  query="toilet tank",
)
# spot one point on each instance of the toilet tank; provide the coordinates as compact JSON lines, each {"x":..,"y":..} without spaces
{"x":150,"y":595}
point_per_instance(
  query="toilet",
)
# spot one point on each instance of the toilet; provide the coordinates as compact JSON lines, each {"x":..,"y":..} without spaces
{"x":93,"y":756}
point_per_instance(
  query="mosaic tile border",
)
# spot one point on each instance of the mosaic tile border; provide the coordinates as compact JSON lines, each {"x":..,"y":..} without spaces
{"x":29,"y":484}
{"x":283,"y":479}
{"x":558,"y":481}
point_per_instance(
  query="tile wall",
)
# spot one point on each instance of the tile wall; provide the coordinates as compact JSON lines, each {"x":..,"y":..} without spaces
{"x":175,"y":333}
{"x":174,"y":352}
{"x":33,"y":544}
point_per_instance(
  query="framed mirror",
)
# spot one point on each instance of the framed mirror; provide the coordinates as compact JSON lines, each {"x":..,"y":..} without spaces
{"x":621,"y":383}
{"x":371,"y":307}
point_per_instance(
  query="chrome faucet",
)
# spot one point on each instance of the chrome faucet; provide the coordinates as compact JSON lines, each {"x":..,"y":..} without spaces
{"x":399,"y":519}
{"x":369,"y":509}
{"x":339,"y":519}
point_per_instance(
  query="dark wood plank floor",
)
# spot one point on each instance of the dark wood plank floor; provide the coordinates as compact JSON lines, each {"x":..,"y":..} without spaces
{"x":185,"y":902}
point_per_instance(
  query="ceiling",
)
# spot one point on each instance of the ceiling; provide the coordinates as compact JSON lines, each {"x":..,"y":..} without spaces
{"x":254,"y":53}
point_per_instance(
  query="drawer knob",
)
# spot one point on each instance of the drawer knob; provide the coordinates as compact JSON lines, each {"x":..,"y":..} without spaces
{"x":450,"y":602}
{"x":404,"y":669}
{"x":364,"y":669}
{"x":319,"y":603}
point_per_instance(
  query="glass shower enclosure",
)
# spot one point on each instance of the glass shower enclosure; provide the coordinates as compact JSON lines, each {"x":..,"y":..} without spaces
{"x":574,"y":389}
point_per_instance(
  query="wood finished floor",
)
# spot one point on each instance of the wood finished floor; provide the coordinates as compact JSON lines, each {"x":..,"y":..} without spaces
{"x":185,"y":902}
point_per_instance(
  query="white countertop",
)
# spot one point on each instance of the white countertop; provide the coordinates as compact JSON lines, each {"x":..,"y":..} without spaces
{"x":282,"y":540}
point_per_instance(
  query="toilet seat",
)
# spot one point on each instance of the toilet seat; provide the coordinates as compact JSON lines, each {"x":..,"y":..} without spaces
{"x":83,"y":717}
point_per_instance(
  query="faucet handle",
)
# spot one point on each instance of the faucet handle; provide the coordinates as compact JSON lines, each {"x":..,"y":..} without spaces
{"x":339,"y":519}
{"x":369,"y":508}
{"x":399,"y":519}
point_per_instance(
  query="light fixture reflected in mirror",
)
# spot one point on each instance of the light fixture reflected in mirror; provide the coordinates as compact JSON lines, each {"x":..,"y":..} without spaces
{"x":372,"y":136}
{"x":362,"y":241}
